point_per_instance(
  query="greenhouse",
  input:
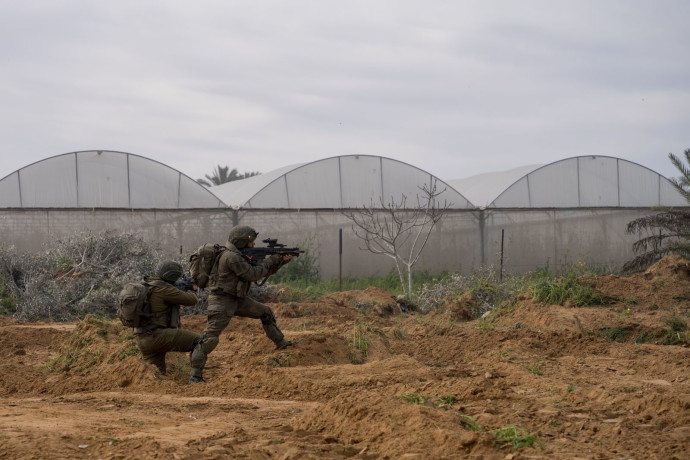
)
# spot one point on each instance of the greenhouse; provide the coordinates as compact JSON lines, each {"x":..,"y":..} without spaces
{"x":102,"y":179}
{"x":334,"y":183}
{"x":575,"y":209}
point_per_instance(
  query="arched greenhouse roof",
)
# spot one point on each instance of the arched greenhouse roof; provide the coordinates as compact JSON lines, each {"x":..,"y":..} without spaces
{"x":589,"y":181}
{"x":341,"y":182}
{"x":481,"y":189}
{"x":103,"y":179}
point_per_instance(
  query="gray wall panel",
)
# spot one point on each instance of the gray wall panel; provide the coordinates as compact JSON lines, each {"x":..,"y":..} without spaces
{"x":464,"y":241}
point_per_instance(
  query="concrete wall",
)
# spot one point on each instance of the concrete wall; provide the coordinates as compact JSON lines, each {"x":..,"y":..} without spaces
{"x":464,"y":241}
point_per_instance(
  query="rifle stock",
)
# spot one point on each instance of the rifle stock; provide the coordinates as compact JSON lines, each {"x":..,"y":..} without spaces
{"x":185,"y":283}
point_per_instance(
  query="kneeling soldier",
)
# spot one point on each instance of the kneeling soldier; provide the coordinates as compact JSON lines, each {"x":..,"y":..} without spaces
{"x":162,"y":332}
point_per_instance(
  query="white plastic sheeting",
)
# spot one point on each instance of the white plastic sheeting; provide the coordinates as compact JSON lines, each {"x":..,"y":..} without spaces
{"x":590,"y":182}
{"x":482,"y":189}
{"x":341,"y":182}
{"x":107,"y":179}
{"x":103,"y":179}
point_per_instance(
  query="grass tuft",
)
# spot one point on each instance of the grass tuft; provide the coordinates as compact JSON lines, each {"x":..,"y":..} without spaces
{"x":515,"y":437}
{"x":414,"y":398}
{"x":358,"y":343}
{"x":469,"y":423}
{"x":558,"y":291}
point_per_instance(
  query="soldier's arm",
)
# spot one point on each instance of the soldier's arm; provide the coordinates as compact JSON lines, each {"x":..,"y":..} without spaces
{"x":243,"y":269}
{"x":174,"y":296}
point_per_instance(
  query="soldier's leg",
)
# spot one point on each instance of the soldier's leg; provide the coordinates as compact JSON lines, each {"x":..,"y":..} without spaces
{"x":187,"y":341}
{"x":250,"y":308}
{"x":150,"y":352}
{"x":154,"y":346}
{"x":175,"y":339}
{"x":220,"y":311}
{"x":197,"y":359}
{"x":156,"y":358}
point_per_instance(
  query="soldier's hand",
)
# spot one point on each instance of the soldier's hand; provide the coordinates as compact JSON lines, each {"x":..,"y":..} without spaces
{"x":287,"y":258}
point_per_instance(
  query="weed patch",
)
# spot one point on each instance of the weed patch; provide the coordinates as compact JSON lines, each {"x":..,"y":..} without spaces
{"x":414,"y":398}
{"x":469,"y":423}
{"x":399,"y":333}
{"x":515,"y":437}
{"x":446,"y":402}
{"x":536,"y":369}
{"x":8,"y":304}
{"x":557,"y":292}
{"x":358,"y":344}
{"x":614,"y":334}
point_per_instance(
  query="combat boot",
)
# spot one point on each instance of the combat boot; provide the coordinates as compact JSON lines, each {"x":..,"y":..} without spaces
{"x":284,"y":344}
{"x":194,"y":380}
{"x":288,"y":343}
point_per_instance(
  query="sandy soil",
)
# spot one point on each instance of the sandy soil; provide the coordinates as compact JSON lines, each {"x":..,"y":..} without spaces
{"x":80,"y":390}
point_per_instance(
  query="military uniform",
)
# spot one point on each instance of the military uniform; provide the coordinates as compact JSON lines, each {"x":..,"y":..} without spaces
{"x":162,"y":332}
{"x":229,"y":286}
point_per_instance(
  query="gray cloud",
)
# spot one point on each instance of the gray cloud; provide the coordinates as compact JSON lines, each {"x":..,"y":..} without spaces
{"x":456,"y":88}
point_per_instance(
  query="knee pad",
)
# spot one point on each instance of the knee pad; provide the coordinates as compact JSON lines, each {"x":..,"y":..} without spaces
{"x":209,"y":343}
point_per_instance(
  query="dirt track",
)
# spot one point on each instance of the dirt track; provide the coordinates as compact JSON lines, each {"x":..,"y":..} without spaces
{"x":77,"y":391}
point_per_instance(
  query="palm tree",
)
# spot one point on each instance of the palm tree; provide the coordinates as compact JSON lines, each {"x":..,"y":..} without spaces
{"x":220,"y":176}
{"x":667,"y":232}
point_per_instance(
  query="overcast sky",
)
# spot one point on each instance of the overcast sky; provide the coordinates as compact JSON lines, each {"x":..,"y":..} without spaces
{"x":456,"y":88}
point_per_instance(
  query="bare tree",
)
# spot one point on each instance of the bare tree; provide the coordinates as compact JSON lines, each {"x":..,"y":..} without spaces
{"x":398,"y":231}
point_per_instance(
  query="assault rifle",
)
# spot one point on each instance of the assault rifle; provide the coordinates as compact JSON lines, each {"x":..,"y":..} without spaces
{"x":257,"y":254}
{"x":185,"y":283}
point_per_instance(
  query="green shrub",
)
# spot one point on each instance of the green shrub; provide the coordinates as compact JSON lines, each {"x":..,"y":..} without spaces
{"x":558,"y":291}
{"x":8,"y":304}
{"x":303,"y":269}
{"x":677,"y":324}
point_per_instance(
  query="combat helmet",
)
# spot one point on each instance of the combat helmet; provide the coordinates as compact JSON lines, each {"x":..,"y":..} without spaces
{"x":242,"y":235}
{"x":169,"y":271}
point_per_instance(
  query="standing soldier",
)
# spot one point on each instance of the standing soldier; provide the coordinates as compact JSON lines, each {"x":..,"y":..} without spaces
{"x":162,"y":332}
{"x":229,"y":289}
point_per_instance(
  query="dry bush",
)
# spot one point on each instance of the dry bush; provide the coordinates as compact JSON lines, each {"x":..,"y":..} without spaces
{"x":74,"y":276}
{"x":485,"y":285}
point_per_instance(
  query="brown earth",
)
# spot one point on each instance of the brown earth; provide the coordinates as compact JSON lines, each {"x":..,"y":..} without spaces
{"x":80,"y":391}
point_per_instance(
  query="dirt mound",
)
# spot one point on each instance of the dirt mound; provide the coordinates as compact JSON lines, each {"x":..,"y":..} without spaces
{"x":666,"y":282}
{"x":369,"y":381}
{"x":371,"y":300}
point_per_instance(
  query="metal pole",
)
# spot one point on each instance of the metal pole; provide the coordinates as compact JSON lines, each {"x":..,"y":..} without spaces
{"x":500,"y":276}
{"x":340,"y":256}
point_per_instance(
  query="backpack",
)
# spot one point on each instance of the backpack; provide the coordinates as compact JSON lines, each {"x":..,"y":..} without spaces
{"x":133,"y":307}
{"x":203,"y":261}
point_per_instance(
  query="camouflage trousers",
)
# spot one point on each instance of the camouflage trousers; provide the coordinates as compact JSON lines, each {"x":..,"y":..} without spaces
{"x":157,"y":343}
{"x":221,"y":309}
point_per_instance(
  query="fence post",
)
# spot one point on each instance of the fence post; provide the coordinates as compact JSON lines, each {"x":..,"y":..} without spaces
{"x":500,"y":276}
